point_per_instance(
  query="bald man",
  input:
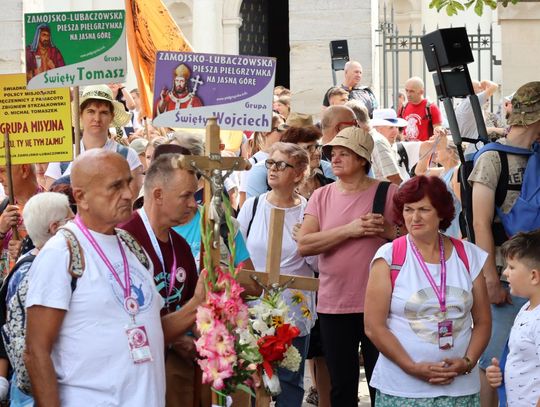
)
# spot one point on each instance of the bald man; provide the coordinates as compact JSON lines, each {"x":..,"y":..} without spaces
{"x":98,"y":339}
{"x":421,"y":115}
{"x":351,"y":83}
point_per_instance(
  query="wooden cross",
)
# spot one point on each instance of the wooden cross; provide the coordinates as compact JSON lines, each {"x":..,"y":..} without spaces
{"x":212,"y":165}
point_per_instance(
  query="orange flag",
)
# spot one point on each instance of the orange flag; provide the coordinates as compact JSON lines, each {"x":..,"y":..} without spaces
{"x":150,"y":28}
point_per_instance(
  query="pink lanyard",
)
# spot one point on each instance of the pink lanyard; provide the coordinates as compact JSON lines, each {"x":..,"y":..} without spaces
{"x":126,"y":287}
{"x":159,"y":254}
{"x":440,"y":292}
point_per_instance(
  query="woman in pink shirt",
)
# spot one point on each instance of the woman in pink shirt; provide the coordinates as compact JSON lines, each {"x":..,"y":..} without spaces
{"x":345,"y":225}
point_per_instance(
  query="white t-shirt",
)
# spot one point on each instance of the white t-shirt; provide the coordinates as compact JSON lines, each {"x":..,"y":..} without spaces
{"x":466,"y":122}
{"x":91,"y":355}
{"x":54,"y":171}
{"x":413,"y":318}
{"x":522,"y":370}
{"x":292,"y":263}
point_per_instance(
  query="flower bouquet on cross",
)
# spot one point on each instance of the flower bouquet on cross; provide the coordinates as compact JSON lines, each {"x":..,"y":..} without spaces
{"x":273,"y":331}
{"x":227,"y":356}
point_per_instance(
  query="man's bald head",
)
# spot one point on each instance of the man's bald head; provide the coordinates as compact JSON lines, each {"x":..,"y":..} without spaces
{"x":353,"y":74}
{"x":92,"y":164}
{"x":101,"y":187}
{"x":334,"y":119}
{"x":414,"y":88}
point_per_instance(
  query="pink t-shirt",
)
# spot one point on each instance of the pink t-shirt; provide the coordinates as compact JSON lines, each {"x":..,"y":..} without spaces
{"x":344,"y":269}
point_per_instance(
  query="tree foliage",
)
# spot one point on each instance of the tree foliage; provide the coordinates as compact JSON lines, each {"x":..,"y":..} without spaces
{"x":452,"y":7}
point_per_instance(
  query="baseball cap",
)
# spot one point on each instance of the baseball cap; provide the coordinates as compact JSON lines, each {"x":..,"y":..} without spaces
{"x":296,"y":120}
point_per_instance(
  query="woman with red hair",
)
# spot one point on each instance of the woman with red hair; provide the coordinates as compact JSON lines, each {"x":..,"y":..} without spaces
{"x":426,"y":308}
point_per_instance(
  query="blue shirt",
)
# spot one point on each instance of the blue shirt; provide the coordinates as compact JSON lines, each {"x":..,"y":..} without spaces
{"x":191,"y":231}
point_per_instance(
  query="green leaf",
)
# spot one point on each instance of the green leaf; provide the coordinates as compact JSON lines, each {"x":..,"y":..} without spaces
{"x":458,"y":5}
{"x":479,"y":7}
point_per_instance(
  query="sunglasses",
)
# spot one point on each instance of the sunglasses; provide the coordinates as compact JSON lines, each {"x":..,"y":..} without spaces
{"x":280,"y":165}
{"x":352,"y":123}
{"x":312,"y":148}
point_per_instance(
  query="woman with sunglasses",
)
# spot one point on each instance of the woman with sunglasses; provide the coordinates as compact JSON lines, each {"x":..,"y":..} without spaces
{"x":287,"y":166}
{"x":340,"y":227}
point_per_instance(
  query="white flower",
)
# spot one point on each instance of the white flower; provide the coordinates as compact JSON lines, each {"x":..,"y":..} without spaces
{"x":291,"y":360}
{"x":263,"y":328}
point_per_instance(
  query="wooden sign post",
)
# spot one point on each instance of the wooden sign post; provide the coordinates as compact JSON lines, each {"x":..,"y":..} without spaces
{"x":211,"y":167}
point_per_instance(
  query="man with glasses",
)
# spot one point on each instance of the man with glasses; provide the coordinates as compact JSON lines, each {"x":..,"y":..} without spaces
{"x":333,"y":120}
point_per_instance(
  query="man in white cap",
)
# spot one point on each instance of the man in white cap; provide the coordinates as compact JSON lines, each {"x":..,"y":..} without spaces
{"x":99,"y":112}
{"x":385,"y":159}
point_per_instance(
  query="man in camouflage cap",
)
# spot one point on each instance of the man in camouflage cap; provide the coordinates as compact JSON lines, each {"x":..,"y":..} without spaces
{"x":526,"y":105}
{"x":485,"y":177}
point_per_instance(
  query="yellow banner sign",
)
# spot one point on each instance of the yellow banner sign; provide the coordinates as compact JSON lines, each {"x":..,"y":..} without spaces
{"x":38,"y":122}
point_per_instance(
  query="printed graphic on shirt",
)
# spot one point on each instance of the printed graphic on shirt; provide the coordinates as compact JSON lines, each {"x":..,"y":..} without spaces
{"x":424,"y":312}
{"x":139,"y":284}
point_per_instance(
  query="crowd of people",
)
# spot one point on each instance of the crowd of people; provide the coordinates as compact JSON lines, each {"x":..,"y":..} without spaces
{"x":101,"y":256}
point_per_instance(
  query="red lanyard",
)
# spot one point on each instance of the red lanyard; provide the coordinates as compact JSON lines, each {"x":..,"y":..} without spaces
{"x":126,"y":286}
{"x":440,"y":292}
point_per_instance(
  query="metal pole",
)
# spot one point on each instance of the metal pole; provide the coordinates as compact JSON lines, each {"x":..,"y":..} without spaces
{"x":423,"y":61}
{"x":385,"y":62}
{"x":396,"y":75}
{"x":491,"y":62}
{"x":77,"y":123}
{"x":11,"y":194}
{"x":479,"y":45}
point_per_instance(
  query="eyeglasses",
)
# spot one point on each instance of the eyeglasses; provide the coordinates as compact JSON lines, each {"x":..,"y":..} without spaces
{"x":312,"y":148}
{"x":352,"y":123}
{"x":280,"y":165}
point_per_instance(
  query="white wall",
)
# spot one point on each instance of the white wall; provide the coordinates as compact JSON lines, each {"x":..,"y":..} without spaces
{"x":312,"y":25}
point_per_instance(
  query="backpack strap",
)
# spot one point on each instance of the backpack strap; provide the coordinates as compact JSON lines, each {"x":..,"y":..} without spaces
{"x":429,"y":118}
{"x":134,"y":246}
{"x":403,"y":156}
{"x":76,"y":258}
{"x":460,"y":250}
{"x":253,"y":212}
{"x":380,"y":197}
{"x":399,"y":252}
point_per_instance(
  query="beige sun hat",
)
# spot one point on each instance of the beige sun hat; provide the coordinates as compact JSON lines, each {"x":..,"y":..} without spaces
{"x":296,"y":119}
{"x":103,"y":92}
{"x":354,"y":138}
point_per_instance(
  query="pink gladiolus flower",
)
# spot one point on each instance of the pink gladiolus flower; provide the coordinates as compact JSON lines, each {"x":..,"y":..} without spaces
{"x":215,"y":371}
{"x":205,"y":319}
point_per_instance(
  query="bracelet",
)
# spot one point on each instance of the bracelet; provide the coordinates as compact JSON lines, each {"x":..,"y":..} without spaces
{"x":469,"y":364}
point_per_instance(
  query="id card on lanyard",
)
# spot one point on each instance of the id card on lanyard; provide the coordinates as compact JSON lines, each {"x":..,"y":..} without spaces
{"x":444,"y":326}
{"x":138,"y":344}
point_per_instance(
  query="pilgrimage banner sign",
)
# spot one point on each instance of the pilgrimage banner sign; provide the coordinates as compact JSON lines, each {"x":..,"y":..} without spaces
{"x":75,"y":48}
{"x":191,"y":87}
{"x":38,"y":122}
